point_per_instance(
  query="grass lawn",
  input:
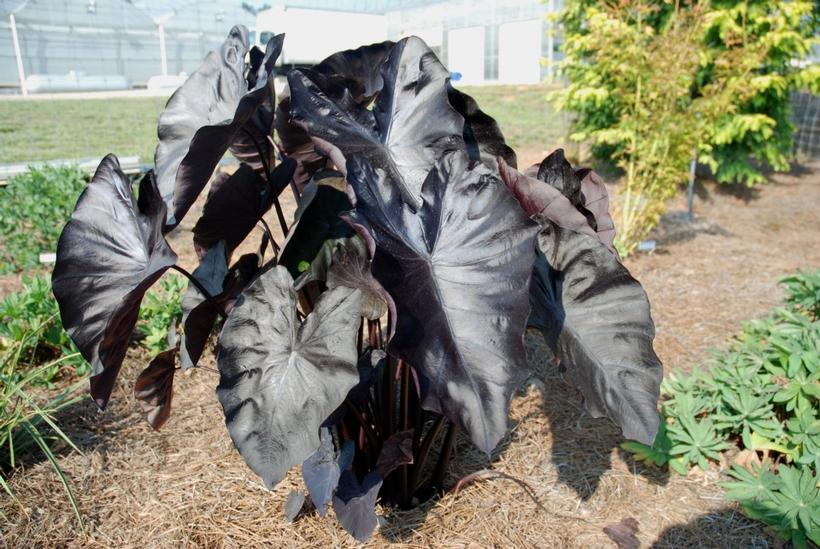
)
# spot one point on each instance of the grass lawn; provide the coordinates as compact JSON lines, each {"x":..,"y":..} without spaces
{"x":82,"y":128}
{"x":78,"y":128}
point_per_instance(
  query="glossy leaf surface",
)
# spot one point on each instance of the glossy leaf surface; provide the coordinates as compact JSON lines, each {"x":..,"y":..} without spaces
{"x":453,"y":248}
{"x":279,"y":378}
{"x":109,"y":253}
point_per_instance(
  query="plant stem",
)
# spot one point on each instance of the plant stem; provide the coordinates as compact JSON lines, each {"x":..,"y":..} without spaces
{"x":444,"y":457}
{"x":372,"y":439}
{"x":420,"y":457}
{"x":198,"y":285}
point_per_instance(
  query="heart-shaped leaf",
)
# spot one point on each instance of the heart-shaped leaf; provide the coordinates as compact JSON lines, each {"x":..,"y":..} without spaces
{"x":355,"y":502}
{"x":321,"y":472}
{"x":359,"y":69}
{"x":453,"y":248}
{"x":293,"y":505}
{"x":109,"y":253}
{"x":154,"y":388}
{"x":203,"y":118}
{"x":596,"y":318}
{"x":279,"y":378}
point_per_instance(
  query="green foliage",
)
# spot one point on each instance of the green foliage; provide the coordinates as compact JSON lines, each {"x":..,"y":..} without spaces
{"x":34,"y":206}
{"x":27,"y":423}
{"x":762,"y":396}
{"x":771,"y":34}
{"x":654,"y":84}
{"x":804,"y":292}
{"x":34,"y":310}
{"x":160,"y":309}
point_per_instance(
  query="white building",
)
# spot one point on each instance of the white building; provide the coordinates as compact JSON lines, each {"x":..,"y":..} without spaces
{"x":481,"y":41}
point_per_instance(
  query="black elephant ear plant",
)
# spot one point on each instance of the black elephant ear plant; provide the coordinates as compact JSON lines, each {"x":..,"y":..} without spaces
{"x":392,"y":316}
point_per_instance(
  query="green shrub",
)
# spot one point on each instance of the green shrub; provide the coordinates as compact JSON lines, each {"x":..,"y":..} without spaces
{"x":34,"y":310}
{"x":761,"y":396}
{"x":160,"y":309}
{"x":758,"y":124}
{"x":34,"y":206}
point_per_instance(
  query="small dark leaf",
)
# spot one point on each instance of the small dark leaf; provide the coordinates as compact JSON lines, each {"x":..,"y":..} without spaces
{"x":280,"y":379}
{"x":596,"y":202}
{"x":396,"y":451}
{"x":293,"y":505}
{"x":297,"y":145}
{"x":321,"y":472}
{"x":544,"y":202}
{"x":236,"y":203}
{"x":557,"y":172}
{"x":109,"y":253}
{"x":481,"y":132}
{"x":197,"y":327}
{"x":318,"y":223}
{"x":453,"y":248}
{"x":624,"y":533}
{"x":355,"y":504}
{"x":596,"y":318}
{"x":154,"y":388}
{"x":351,"y":268}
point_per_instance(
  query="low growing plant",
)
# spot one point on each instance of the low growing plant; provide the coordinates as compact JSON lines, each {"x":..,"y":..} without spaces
{"x":760,"y":400}
{"x":392,"y":316}
{"x":160,"y":312}
{"x":33,"y":207}
{"x":33,"y":310}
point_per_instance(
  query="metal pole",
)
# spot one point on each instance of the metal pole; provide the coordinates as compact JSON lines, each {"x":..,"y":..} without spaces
{"x":18,"y":56}
{"x":163,"y":59}
{"x":551,"y":43}
{"x":690,"y":194}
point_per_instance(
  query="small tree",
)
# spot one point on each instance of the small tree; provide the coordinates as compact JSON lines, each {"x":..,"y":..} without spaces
{"x":642,"y":98}
{"x":758,"y":127}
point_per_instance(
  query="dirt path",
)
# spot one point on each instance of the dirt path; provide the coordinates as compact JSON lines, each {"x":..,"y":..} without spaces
{"x":566,"y":478}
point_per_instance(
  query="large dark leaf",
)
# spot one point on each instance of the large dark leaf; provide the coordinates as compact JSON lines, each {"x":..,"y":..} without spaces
{"x":203,"y":118}
{"x":109,"y":253}
{"x":410,"y":127}
{"x":253,"y":145}
{"x":154,"y":388}
{"x":280,"y":379}
{"x":453,"y":248}
{"x":596,"y":318}
{"x":481,"y":132}
{"x":359,"y":69}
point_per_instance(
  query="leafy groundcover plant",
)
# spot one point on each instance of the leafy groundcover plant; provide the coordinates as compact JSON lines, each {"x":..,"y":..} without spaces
{"x":757,"y":408}
{"x":392,"y":316}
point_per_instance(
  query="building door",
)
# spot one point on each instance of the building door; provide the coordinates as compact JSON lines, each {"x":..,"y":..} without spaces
{"x":519,"y":52}
{"x":465,"y":53}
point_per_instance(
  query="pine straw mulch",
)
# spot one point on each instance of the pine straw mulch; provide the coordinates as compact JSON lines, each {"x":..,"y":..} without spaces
{"x":557,"y":479}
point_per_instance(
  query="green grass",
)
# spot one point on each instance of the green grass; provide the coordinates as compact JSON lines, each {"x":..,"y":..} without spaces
{"x":78,"y":128}
{"x":524,"y":113}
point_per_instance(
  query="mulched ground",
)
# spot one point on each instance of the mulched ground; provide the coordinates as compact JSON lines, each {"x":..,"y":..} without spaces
{"x":557,"y":480}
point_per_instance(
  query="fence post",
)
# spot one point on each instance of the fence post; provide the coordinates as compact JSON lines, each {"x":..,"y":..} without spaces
{"x":17,"y":55}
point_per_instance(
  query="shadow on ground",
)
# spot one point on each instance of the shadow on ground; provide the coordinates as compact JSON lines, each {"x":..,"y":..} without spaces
{"x":720,"y":529}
